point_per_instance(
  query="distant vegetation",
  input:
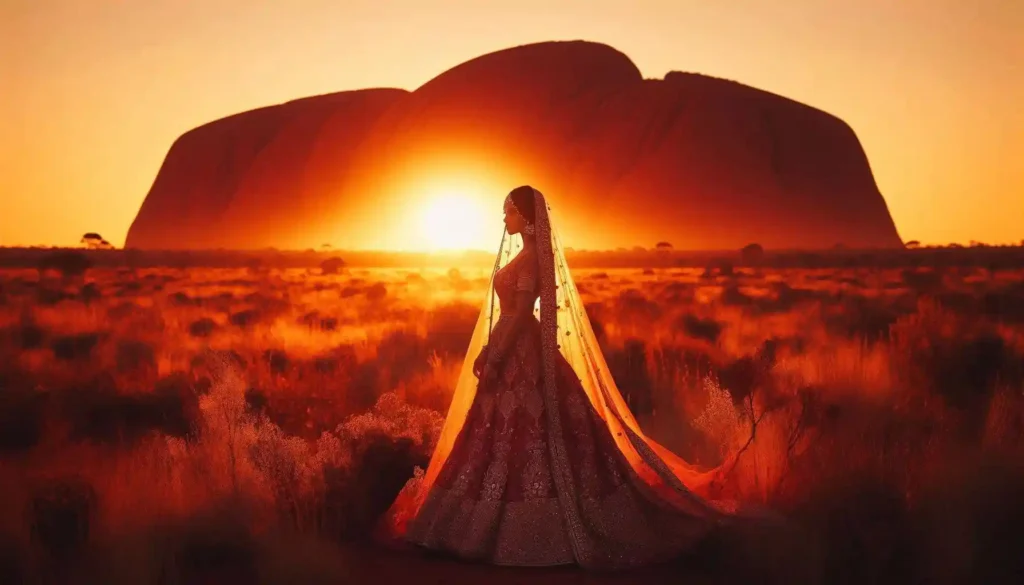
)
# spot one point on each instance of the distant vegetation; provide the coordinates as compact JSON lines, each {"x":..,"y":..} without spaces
{"x":663,"y":255}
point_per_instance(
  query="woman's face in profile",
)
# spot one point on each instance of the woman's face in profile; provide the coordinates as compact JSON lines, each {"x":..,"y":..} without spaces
{"x":514,"y":222}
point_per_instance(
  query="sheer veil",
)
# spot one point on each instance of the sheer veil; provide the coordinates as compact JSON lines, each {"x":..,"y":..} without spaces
{"x":565,"y":330}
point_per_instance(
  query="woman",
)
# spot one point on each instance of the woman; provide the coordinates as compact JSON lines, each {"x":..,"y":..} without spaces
{"x":540,"y":461}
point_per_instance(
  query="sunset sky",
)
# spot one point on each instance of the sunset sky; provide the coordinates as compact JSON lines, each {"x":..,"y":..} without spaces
{"x":95,"y":91}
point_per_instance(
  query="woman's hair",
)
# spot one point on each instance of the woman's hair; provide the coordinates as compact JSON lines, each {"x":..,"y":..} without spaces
{"x":522,"y":198}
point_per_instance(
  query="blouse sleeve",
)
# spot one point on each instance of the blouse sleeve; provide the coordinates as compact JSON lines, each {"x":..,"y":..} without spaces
{"x":527,"y":279}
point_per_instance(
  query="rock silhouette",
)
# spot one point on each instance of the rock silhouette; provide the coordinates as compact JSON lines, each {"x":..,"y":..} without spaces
{"x":701,"y":162}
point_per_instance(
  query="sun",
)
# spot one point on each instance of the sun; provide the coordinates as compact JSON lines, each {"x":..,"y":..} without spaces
{"x":452,"y":221}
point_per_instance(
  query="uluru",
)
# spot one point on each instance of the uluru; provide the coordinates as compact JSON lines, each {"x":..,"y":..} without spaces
{"x":702,"y":162}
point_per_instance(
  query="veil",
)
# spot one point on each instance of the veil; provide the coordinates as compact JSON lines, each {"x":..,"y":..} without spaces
{"x":565,"y":330}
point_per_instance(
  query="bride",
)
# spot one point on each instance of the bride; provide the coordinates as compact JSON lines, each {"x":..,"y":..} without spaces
{"x":540,"y":461}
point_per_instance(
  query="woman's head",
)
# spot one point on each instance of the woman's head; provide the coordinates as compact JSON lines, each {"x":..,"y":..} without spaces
{"x":519,"y":211}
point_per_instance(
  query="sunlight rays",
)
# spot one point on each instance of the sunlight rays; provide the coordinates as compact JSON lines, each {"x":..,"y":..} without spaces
{"x":453,"y":221}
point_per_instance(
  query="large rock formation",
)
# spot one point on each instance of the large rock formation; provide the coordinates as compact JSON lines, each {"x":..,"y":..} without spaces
{"x":702,"y":162}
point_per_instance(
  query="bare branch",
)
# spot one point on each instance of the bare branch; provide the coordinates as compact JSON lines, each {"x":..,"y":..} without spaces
{"x":754,"y":421}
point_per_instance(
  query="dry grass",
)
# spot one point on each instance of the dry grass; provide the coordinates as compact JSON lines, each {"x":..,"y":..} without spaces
{"x":180,"y":425}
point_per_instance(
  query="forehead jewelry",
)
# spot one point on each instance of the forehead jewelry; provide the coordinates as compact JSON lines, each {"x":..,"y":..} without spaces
{"x":510,"y":202}
{"x":529,"y":230}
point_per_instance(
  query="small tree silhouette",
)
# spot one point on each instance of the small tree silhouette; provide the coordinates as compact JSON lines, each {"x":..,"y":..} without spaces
{"x":752,"y":254}
{"x":332,"y":265}
{"x":912,"y":245}
{"x":663,"y":246}
{"x":94,"y":241}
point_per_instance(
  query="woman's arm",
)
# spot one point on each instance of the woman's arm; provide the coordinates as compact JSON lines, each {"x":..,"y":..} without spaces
{"x":524,"y":311}
{"x":526,"y":294}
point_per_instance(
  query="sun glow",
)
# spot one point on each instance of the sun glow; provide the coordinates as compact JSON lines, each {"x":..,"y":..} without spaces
{"x":452,"y":221}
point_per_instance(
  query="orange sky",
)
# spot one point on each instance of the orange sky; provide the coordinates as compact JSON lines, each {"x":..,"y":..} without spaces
{"x":94,"y":91}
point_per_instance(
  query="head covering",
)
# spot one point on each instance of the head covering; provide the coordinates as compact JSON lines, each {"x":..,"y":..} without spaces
{"x":522,"y":199}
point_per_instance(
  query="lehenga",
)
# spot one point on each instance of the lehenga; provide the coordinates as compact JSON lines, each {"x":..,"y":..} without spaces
{"x":536,"y":479}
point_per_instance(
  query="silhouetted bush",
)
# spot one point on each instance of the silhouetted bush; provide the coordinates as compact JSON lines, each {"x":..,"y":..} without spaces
{"x":182,"y":299}
{"x":61,"y":513}
{"x":49,"y":297}
{"x":742,"y":376}
{"x":786,"y":298}
{"x":202,"y":327}
{"x":734,"y":297}
{"x":752,"y":254}
{"x":245,"y":318}
{"x":277,"y":360}
{"x":332,"y":265}
{"x":677,"y":293}
{"x":256,"y":401}
{"x":341,"y":358}
{"x":315,"y":321}
{"x":174,"y":405}
{"x":74,"y":347}
{"x":29,"y":335}
{"x":376,"y":292}
{"x":89,"y":293}
{"x":707,"y":329}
